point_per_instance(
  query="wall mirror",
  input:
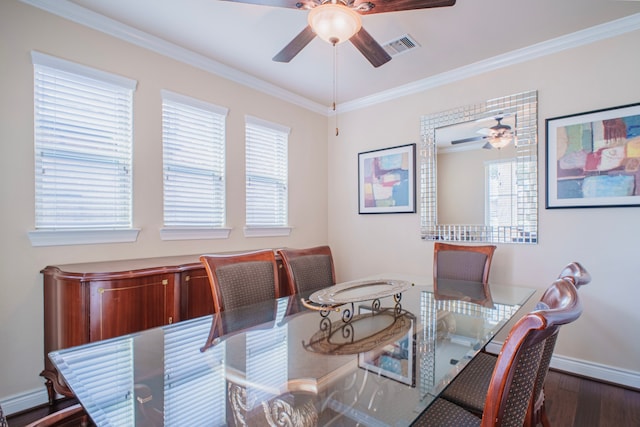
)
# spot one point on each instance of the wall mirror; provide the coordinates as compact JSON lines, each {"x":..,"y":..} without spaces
{"x":478,"y":172}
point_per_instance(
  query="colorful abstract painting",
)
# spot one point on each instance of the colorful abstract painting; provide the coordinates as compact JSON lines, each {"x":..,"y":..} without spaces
{"x":593,"y":159}
{"x":387,"y":180}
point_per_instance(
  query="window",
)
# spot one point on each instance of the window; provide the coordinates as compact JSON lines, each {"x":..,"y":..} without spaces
{"x":266,"y":178}
{"x":83,"y":154}
{"x":505,"y":204}
{"x":193,"y":140}
{"x":501,"y":193}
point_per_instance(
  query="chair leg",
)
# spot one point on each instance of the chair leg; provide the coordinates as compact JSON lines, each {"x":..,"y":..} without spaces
{"x":543,"y":416}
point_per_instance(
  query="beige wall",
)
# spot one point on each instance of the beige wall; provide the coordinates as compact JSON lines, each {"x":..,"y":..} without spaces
{"x":605,"y":240}
{"x":323,"y":185}
{"x":23,"y":29}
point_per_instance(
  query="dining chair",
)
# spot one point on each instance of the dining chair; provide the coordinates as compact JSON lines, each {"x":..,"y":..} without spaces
{"x":3,"y":420}
{"x":469,"y":388}
{"x":507,"y":399}
{"x":462,"y":262}
{"x":308,"y":269}
{"x":238,"y":280}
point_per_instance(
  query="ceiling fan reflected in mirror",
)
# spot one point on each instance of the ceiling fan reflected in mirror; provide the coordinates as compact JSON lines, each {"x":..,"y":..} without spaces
{"x":498,"y":136}
{"x":337,"y":21}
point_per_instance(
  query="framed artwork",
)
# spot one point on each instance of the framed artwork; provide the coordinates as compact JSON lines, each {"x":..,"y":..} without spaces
{"x":593,"y":159}
{"x":386,"y":180}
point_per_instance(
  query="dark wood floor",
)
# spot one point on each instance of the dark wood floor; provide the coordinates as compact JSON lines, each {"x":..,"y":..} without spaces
{"x":571,"y":402}
{"x":578,"y":402}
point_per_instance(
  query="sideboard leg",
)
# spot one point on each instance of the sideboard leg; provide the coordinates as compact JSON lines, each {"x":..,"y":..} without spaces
{"x":50,"y":391}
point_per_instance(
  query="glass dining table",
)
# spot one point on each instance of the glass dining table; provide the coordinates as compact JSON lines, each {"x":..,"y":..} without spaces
{"x":365,"y":358}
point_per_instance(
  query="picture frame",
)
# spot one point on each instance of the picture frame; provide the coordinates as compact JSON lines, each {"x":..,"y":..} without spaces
{"x":386,"y":180}
{"x":593,"y":159}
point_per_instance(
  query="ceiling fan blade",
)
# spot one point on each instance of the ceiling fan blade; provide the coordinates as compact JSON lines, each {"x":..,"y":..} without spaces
{"x":370,"y":48}
{"x":293,"y":4}
{"x":295,"y":46}
{"x":472,"y":139}
{"x":381,"y":6}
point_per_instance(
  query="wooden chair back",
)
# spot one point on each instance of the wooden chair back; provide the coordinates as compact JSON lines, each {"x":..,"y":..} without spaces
{"x":575,"y":272}
{"x":308,"y":269}
{"x":462,"y":262}
{"x":512,"y":384}
{"x":242,"y":279}
{"x":553,"y":298}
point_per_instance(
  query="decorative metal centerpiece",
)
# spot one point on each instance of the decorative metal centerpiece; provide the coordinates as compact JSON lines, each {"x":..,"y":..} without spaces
{"x":334,"y":298}
{"x":363,"y":333}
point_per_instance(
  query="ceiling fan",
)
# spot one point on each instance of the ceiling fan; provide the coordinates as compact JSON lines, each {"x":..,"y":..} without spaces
{"x":497,"y":136}
{"x":337,"y":21}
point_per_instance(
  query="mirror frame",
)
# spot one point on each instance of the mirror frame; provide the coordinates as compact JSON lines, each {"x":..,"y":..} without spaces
{"x":525,"y":230}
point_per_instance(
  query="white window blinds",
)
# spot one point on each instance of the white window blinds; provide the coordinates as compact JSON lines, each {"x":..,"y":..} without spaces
{"x":266,"y":174}
{"x":193,"y":138}
{"x":501,"y":193}
{"x":83,"y":146}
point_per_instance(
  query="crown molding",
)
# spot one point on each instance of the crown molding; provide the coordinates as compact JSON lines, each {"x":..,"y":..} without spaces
{"x":80,"y":15}
{"x":549,"y":47}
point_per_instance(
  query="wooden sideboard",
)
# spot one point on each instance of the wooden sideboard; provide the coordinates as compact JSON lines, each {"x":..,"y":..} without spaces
{"x":95,"y":301}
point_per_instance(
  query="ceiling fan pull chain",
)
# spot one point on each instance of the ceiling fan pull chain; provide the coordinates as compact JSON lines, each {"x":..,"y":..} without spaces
{"x":335,"y":84}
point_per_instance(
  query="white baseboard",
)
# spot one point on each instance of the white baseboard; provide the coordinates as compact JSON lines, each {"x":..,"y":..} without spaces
{"x":588,"y":369}
{"x":23,"y":401}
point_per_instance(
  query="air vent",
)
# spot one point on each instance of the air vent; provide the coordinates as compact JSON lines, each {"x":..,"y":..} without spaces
{"x":401,"y":45}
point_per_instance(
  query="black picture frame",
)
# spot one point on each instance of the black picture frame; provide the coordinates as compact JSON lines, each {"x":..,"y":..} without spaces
{"x":593,"y":159}
{"x":386,"y":180}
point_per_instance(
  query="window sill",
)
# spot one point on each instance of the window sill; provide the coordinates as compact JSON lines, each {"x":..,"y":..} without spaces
{"x":267,"y":231}
{"x":194,"y":233}
{"x":81,"y":237}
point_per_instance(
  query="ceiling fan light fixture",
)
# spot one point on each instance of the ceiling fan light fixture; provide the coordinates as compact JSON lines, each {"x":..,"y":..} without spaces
{"x":501,"y":135}
{"x":500,"y":141}
{"x":334,"y":23}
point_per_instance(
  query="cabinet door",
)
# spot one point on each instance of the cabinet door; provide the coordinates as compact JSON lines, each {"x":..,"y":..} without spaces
{"x":195,"y":294}
{"x":123,"y":306}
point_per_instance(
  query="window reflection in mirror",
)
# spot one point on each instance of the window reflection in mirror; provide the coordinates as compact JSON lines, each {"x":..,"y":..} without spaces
{"x":472,"y":191}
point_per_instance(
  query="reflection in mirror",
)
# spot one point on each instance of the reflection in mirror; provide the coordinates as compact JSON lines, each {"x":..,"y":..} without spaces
{"x":457,"y":149}
{"x":479,"y":172}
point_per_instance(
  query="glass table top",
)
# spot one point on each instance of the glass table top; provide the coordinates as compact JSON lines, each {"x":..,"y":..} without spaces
{"x":259,"y":365}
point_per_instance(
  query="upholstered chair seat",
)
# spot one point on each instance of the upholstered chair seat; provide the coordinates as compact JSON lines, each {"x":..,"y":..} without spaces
{"x":443,"y":413}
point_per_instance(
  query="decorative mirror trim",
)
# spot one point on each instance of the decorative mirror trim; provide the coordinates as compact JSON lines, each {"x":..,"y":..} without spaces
{"x":524,"y":230}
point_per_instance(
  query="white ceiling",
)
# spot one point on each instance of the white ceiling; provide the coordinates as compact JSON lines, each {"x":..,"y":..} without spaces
{"x":245,"y":37}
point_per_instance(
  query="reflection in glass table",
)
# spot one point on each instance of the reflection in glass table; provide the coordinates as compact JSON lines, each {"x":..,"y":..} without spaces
{"x":280,"y":362}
